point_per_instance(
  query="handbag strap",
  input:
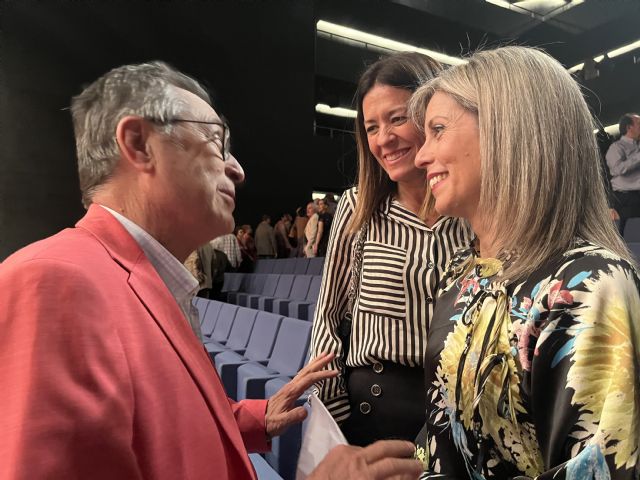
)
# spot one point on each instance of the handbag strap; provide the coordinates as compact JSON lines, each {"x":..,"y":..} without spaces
{"x":356,"y":268}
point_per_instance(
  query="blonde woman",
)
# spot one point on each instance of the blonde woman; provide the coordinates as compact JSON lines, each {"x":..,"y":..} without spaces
{"x":532,"y":362}
{"x":311,"y":231}
{"x":403,"y":254}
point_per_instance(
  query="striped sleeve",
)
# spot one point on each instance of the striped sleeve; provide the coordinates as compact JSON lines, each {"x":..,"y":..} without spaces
{"x":332,"y":305}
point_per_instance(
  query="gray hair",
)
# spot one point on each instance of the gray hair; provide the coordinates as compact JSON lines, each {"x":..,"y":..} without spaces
{"x":540,"y":167}
{"x":146,"y":89}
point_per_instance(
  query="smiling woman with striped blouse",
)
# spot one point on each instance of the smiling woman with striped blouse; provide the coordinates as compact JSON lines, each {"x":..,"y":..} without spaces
{"x":403,"y":256}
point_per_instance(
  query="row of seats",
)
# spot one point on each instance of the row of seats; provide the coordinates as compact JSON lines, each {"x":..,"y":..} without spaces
{"x":301,"y":265}
{"x":256,"y":353}
{"x":290,"y":295}
{"x":250,"y":347}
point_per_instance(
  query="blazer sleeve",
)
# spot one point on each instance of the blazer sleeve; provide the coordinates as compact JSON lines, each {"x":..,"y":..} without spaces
{"x":250,"y":416}
{"x":332,"y":305}
{"x":66,"y":397}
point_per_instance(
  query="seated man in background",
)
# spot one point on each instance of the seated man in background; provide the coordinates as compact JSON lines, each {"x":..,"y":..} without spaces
{"x":102,"y":376}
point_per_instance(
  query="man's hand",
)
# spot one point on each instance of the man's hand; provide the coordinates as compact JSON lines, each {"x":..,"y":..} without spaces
{"x":386,"y":459}
{"x":280,"y":412}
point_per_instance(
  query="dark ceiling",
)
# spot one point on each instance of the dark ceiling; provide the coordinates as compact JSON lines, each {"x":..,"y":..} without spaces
{"x":570,"y":33}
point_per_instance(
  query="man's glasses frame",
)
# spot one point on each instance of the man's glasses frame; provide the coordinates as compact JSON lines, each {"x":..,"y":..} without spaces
{"x":224,"y":143}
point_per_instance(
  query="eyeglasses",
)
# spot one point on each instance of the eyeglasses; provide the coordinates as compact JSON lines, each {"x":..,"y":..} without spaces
{"x":220,"y":136}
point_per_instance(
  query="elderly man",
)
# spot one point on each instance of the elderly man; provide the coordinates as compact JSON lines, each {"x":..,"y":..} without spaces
{"x":102,"y":375}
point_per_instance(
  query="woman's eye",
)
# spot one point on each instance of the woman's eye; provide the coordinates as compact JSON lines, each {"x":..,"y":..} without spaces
{"x":371,"y":130}
{"x":399,"y":120}
{"x":437,"y":129}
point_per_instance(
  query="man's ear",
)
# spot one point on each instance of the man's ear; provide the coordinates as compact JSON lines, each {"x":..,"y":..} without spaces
{"x":132,"y":135}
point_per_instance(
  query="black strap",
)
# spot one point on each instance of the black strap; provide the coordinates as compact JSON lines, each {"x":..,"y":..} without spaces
{"x":344,"y":329}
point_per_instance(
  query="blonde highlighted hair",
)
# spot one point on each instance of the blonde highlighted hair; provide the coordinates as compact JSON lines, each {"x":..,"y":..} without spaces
{"x":540,"y":167}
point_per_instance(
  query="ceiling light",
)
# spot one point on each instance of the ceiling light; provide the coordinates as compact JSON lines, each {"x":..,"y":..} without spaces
{"x":542,"y":10}
{"x":336,"y":111}
{"x":613,"y":53}
{"x":369,"y":39}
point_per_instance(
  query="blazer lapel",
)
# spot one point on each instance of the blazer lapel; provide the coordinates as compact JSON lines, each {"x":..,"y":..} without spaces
{"x":156,"y":297}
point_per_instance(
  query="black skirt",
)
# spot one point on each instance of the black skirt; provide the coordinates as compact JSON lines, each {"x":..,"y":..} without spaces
{"x":387,"y":402}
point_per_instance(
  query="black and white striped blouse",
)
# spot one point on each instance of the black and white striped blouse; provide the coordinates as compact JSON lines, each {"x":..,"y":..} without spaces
{"x":402,"y":264}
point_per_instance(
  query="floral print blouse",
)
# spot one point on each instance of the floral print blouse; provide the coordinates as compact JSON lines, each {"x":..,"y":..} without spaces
{"x":538,"y":379}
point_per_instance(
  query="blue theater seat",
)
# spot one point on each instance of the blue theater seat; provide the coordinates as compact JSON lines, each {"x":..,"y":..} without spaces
{"x":300,"y":308}
{"x":223,"y":326}
{"x":279,"y":266}
{"x":316,"y":265}
{"x":264,"y":265}
{"x":289,"y":354}
{"x":259,"y":348}
{"x":632,"y":230}
{"x":285,"y":282}
{"x":301,"y":266}
{"x":264,"y":471}
{"x":232,"y":282}
{"x":239,"y":335}
{"x":268,"y":290}
{"x":299,"y":291}
{"x":289,"y":265}
{"x":253,"y":283}
{"x":210,"y":318}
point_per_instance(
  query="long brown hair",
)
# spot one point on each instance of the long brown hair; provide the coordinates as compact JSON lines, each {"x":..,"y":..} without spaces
{"x":406,"y":70}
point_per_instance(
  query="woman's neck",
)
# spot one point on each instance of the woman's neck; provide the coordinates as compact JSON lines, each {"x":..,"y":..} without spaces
{"x":411,"y":196}
{"x":485,"y":243}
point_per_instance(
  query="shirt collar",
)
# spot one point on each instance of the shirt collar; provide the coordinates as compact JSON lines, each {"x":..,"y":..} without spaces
{"x":180,"y":282}
{"x":392,"y":208}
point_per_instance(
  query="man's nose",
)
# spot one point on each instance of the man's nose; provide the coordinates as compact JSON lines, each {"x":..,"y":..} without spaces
{"x":234,"y":170}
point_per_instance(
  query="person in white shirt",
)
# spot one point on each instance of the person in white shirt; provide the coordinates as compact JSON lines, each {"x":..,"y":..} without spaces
{"x":623,"y":160}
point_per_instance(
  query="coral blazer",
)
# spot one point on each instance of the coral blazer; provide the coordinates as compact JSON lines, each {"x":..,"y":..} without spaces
{"x":101,"y":376}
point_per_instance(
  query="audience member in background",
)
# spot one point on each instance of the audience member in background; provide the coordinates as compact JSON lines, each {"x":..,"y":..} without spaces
{"x":281,"y":229}
{"x":247,"y":249}
{"x":204,"y":264}
{"x":532,"y":364}
{"x":228,"y":244}
{"x":101,"y":374}
{"x":331,"y":203}
{"x":405,"y":248}
{"x":297,"y":231}
{"x":324,"y":228}
{"x":265,"y":239}
{"x":623,"y":159}
{"x":311,"y":231}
